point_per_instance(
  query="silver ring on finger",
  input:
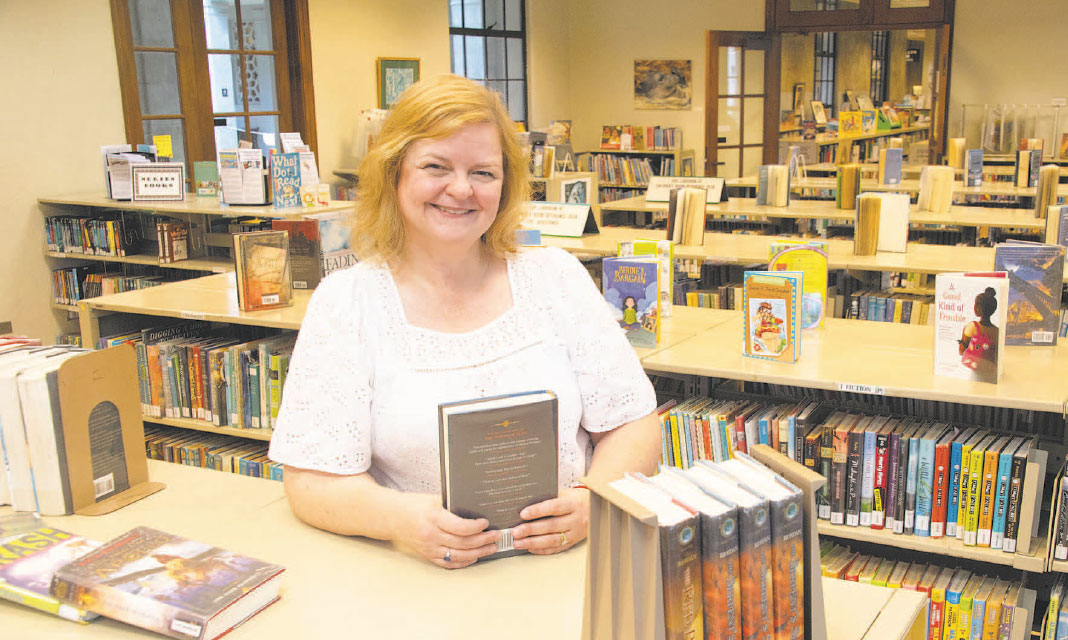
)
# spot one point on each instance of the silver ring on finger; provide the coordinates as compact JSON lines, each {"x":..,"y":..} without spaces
{"x":448,"y":555}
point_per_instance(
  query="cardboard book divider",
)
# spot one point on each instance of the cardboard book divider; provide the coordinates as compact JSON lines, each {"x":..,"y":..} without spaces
{"x":103,"y":432}
{"x":624,"y":592}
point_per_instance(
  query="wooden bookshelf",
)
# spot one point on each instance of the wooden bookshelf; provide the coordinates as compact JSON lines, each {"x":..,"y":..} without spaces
{"x":204,"y":205}
{"x":214,"y":265}
{"x":207,"y":427}
{"x":1034,"y":561}
{"x":829,"y":139}
{"x":960,"y":216}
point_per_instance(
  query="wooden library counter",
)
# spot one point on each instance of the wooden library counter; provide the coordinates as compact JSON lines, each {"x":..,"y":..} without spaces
{"x":962,"y":216}
{"x":884,"y":358}
{"x":208,"y":205}
{"x":336,"y":586}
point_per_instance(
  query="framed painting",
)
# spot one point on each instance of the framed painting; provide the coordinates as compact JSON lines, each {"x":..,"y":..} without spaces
{"x":799,"y":96}
{"x":663,"y":84}
{"x":394,"y":75}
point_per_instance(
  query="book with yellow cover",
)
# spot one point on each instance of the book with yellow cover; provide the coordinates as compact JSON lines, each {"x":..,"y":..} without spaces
{"x":992,"y":617}
{"x":772,"y":301}
{"x":937,"y":611}
{"x":810,"y":258}
{"x":988,"y":491}
{"x":964,"y":626}
{"x":954,"y":593}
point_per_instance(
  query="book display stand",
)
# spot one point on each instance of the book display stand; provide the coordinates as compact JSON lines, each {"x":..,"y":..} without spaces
{"x":624,"y":582}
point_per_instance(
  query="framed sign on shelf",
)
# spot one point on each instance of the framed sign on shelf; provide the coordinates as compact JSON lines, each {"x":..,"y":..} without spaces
{"x":394,"y":76}
{"x":158,"y":181}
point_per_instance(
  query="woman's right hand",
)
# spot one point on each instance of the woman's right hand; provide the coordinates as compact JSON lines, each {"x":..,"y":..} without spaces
{"x":437,"y":534}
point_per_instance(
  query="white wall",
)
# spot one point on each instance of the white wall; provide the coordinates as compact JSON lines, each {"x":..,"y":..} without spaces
{"x":60,"y":102}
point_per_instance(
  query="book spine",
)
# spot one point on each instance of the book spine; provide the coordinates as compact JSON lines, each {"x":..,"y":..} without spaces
{"x":911,"y":482}
{"x":126,"y":607}
{"x":975,"y":475}
{"x":1001,"y":500}
{"x":825,"y":464}
{"x":978,"y":618}
{"x":940,"y":489}
{"x":673,"y":418}
{"x":892,"y":493}
{"x":964,"y":626}
{"x":721,"y":579}
{"x":1008,"y":609}
{"x":1012,"y":514}
{"x":788,"y":580}
{"x":798,"y":430}
{"x":951,"y":615}
{"x":965,"y":492}
{"x":878,"y":506}
{"x":183,"y":381}
{"x":854,"y":478}
{"x":867,"y":485}
{"x":925,"y":486}
{"x":839,"y":474}
{"x":953,"y":492}
{"x":935,"y":614}
{"x":754,"y":553}
{"x":987,"y":497}
{"x":902,"y":485}
{"x":1060,"y":530}
{"x":681,"y":567}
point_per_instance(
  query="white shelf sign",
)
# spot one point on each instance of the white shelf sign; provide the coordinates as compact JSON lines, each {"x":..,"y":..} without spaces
{"x":660,"y":187}
{"x":862,"y":388}
{"x":558,"y":219}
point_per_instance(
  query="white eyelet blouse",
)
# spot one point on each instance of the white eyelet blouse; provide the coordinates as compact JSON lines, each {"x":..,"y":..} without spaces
{"x":364,"y":385}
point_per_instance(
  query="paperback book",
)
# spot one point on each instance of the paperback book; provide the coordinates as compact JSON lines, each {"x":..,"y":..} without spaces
{"x":168,"y":584}
{"x":809,"y":258}
{"x":970,"y":319}
{"x":285,"y":180}
{"x":1034,"y":271}
{"x":631,"y":287}
{"x":498,"y":456}
{"x":772,"y":301}
{"x":261,"y":264}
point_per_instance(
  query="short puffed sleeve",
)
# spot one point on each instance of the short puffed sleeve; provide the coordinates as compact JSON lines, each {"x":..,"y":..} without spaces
{"x":615,"y":389}
{"x":325,"y":417}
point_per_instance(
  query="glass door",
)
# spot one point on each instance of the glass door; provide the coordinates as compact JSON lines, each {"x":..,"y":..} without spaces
{"x":742,"y":102}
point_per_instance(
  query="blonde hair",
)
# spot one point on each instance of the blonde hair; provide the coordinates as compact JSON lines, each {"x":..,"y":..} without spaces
{"x":434,"y":109}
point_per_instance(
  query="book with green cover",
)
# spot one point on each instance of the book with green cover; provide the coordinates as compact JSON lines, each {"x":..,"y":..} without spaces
{"x":954,"y":592}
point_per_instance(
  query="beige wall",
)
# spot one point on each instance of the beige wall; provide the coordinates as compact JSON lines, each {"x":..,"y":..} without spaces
{"x":1003,"y":55}
{"x":798,"y":62}
{"x":60,"y":104}
{"x":853,"y":71}
{"x":347,"y":37}
{"x":895,"y":88}
{"x":549,"y":50}
{"x":608,"y":36}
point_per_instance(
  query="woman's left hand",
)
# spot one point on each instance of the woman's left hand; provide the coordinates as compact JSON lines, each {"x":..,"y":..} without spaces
{"x":564,"y":522}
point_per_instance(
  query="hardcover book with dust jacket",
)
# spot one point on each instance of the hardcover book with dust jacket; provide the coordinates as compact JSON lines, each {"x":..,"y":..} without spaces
{"x":261,"y":262}
{"x":498,"y":456}
{"x":970,"y":317}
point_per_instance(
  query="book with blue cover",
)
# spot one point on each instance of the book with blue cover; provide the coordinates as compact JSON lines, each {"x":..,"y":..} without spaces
{"x":890,"y":161}
{"x":1001,"y":496}
{"x":1035,"y":271}
{"x":925,"y":479}
{"x":285,"y":180}
{"x":631,"y":288}
{"x":973,"y":168}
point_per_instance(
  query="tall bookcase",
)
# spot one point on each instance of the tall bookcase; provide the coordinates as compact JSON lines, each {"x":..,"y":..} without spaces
{"x":615,"y":183}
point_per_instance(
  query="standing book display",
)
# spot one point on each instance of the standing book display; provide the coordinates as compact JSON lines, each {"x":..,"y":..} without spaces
{"x":624,"y":579}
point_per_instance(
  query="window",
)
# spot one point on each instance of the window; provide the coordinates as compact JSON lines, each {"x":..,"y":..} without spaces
{"x":213,"y":72}
{"x":823,"y":83}
{"x":489,"y":43}
{"x":880,"y":63}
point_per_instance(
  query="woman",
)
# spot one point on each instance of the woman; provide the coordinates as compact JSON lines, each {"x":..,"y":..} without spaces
{"x":978,"y":344}
{"x":443,"y":307}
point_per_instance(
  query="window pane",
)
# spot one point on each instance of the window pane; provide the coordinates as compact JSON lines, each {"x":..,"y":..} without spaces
{"x":456,"y":16}
{"x":262,"y":93}
{"x":473,"y":14}
{"x":157,"y":82}
{"x":220,"y":24}
{"x":495,"y":57}
{"x":476,"y":57}
{"x":515,"y":59}
{"x":751,"y":160}
{"x":513,"y":15}
{"x":264,"y":132}
{"x":164,"y":127}
{"x":730,"y":70}
{"x":494,"y":14}
{"x":730,"y":116}
{"x":256,"y":25}
{"x":517,"y":100}
{"x":150,"y":21}
{"x":456,"y":48}
{"x":224,"y":69}
{"x":501,"y":87}
{"x":228,"y":131}
{"x":753,"y":132}
{"x":754,"y":71}
{"x":729,"y":168}
{"x":909,"y":4}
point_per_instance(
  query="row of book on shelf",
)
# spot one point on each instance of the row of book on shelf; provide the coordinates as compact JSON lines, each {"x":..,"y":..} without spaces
{"x":731,"y":548}
{"x":909,"y":476}
{"x":637,"y":138}
{"x":144,"y":577}
{"x":961,"y":605}
{"x":210,"y":451}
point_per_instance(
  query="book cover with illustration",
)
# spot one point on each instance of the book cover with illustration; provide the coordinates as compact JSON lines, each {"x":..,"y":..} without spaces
{"x":1034,"y":305}
{"x":168,"y":584}
{"x":970,"y":318}
{"x":305,"y":251}
{"x":334,"y":240}
{"x":206,"y":177}
{"x":772,"y":301}
{"x":261,"y":265}
{"x":810,"y":258}
{"x":631,"y":289}
{"x":664,"y":251}
{"x":611,"y":136}
{"x":285,"y":179}
{"x":849,"y":124}
{"x":30,"y":553}
{"x":868,"y":120}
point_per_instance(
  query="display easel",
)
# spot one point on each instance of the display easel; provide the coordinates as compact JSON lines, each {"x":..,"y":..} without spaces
{"x":103,"y":432}
{"x":624,"y":591}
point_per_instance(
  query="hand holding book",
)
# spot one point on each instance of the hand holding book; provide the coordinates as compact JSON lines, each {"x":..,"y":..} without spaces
{"x":558,"y":524}
{"x":441,"y":536}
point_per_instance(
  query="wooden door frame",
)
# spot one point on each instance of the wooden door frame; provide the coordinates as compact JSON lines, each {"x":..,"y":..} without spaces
{"x":771,"y":45}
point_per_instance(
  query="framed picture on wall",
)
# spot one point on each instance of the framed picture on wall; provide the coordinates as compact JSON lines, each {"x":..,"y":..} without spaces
{"x":799,"y":96}
{"x":394,"y":75}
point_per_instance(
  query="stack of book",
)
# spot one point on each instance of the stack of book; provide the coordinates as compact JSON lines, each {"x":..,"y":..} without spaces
{"x":88,"y":236}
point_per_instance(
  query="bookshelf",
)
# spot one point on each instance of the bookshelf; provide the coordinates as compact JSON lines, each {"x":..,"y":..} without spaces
{"x":911,"y":186}
{"x":612,"y":184}
{"x":832,"y":139}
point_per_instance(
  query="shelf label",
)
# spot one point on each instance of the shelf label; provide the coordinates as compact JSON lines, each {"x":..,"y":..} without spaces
{"x":660,"y":187}
{"x":192,"y":315}
{"x":862,"y":388}
{"x":559,"y":219}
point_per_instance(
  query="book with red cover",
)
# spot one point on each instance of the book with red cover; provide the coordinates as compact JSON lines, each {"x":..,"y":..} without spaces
{"x":169,"y":584}
{"x":940,"y":489}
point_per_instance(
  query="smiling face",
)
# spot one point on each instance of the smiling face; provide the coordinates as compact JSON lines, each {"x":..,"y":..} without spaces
{"x":449,"y":190}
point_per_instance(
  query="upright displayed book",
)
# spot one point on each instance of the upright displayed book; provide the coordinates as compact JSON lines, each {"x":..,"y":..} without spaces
{"x":970,"y":320}
{"x":848,"y":186}
{"x":1026,"y":169}
{"x":206,"y":178}
{"x":686,"y":216}
{"x":866,"y":225}
{"x":242,"y":177}
{"x":30,"y":553}
{"x":305,"y":251}
{"x":285,"y":180}
{"x":261,"y":264}
{"x":631,"y":287}
{"x":773,"y":185}
{"x":1057,"y":225}
{"x":890,"y":161}
{"x":1046,"y":190}
{"x":1035,"y":272}
{"x":936,"y":189}
{"x":892,"y":229}
{"x":334,"y":240}
{"x":809,"y":258}
{"x":498,"y":456}
{"x":818,"y":112}
{"x":168,"y":584}
{"x":611,"y":136}
{"x":973,"y":168}
{"x":664,"y":252}
{"x":955,"y":153}
{"x":772,"y":302}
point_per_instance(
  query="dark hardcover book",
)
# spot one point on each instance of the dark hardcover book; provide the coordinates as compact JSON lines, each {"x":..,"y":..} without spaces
{"x":825,"y":466}
{"x":1016,"y":481}
{"x":477,"y":479}
{"x":261,"y":263}
{"x":1034,"y":305}
{"x":880,"y":482}
{"x":840,"y":468}
{"x":902,"y":476}
{"x":164,"y":583}
{"x":305,"y":251}
{"x":912,"y":477}
{"x":854,"y":472}
{"x":893,"y":447}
